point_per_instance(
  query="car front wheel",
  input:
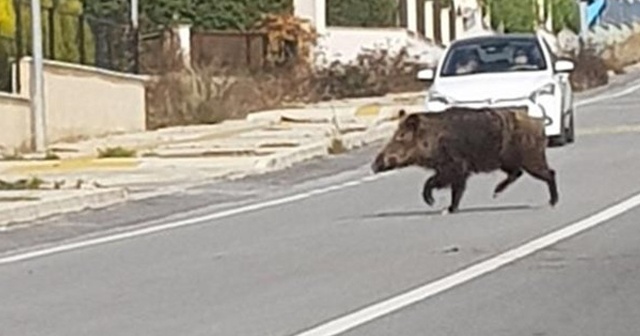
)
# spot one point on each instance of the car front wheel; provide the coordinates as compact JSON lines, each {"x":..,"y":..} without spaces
{"x":571,"y":133}
{"x":561,"y":139}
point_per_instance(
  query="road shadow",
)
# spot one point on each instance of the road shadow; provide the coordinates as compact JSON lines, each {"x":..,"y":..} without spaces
{"x":438,"y":212}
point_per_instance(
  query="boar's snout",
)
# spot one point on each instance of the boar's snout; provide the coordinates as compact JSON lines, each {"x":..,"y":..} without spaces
{"x":383,"y":163}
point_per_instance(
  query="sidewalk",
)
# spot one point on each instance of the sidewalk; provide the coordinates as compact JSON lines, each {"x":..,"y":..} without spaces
{"x":147,"y":163}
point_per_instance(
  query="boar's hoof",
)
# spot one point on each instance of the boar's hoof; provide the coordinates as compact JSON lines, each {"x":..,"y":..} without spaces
{"x":450,"y":211}
{"x":428,"y":199}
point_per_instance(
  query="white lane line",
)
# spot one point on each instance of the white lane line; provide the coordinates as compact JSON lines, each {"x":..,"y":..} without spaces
{"x":633,"y":88}
{"x":187,"y":222}
{"x":388,"y":306}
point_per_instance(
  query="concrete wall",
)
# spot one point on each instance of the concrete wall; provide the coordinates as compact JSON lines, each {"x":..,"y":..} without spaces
{"x":83,"y":101}
{"x":15,"y":117}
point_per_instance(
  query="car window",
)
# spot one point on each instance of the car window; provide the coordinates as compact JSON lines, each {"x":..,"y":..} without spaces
{"x":492,"y":55}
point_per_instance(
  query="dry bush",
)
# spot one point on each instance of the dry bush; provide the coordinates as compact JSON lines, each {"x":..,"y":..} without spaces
{"x":186,"y":95}
{"x":288,"y":37}
{"x":209,"y":95}
{"x":200,"y":96}
{"x":590,"y":71}
{"x":623,"y":54}
{"x":375,"y":73}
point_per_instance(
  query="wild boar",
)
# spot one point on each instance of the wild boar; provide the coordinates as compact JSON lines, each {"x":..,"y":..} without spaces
{"x":459,"y":142}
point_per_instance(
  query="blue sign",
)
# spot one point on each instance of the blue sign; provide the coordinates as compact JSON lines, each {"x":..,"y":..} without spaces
{"x":595,"y":8}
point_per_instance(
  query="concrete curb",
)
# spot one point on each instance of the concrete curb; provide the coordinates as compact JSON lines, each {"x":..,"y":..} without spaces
{"x":288,"y":158}
{"x":67,"y":202}
{"x":58,"y":202}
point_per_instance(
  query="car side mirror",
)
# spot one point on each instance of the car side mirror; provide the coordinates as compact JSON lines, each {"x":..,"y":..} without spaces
{"x":563,"y":66}
{"x":425,"y":75}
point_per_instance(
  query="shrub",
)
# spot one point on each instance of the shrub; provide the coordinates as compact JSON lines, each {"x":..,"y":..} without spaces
{"x":623,"y":54}
{"x":590,"y":71}
{"x":206,"y":95}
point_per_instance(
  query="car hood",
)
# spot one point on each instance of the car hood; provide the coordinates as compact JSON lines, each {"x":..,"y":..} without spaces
{"x":482,"y":87}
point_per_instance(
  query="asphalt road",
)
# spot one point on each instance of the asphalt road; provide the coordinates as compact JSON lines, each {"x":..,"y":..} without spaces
{"x":343,"y":242}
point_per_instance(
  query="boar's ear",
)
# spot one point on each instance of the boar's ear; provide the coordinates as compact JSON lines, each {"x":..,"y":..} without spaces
{"x":412,"y":122}
{"x":402,"y":113}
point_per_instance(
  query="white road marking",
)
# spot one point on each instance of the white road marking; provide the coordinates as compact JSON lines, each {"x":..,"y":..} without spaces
{"x":633,"y":88}
{"x":186,"y":222}
{"x":426,"y":291}
{"x":232,"y":212}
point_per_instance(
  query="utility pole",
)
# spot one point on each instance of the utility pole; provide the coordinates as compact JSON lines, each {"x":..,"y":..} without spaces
{"x":37,"y":80}
{"x":584,"y":25}
{"x":136,"y":35}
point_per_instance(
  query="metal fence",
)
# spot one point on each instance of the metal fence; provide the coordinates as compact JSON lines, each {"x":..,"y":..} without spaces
{"x":229,"y":49}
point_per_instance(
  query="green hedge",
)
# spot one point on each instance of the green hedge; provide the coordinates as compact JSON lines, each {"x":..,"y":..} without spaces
{"x":362,"y":13}
{"x":520,"y":15}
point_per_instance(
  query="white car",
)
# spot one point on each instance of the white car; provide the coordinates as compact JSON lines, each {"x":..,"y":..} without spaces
{"x":505,"y":70}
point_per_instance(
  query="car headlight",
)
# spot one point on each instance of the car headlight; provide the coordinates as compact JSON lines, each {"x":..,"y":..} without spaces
{"x":436,"y":97}
{"x":547,"y":89}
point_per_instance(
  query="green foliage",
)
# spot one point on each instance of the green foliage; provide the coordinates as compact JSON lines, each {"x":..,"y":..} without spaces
{"x":361,"y":13}
{"x":520,"y":15}
{"x":566,"y":13}
{"x":218,"y":14}
{"x":116,"y":152}
{"x":108,"y":9}
{"x":207,"y":14}
{"x":515,"y":15}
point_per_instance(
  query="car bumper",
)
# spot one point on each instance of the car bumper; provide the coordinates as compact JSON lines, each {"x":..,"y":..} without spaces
{"x":545,"y":109}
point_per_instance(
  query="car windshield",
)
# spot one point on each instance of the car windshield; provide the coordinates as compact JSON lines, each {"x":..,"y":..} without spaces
{"x":494,"y":55}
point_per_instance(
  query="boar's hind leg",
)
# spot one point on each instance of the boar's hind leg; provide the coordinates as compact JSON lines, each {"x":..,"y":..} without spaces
{"x":542,"y":172}
{"x":512,"y":176}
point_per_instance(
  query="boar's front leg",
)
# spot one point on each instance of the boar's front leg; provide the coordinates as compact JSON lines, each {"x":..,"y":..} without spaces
{"x":436,"y":181}
{"x":458,"y":187}
{"x":455,"y":175}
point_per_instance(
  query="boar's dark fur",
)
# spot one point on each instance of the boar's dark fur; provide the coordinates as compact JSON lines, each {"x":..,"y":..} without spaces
{"x":462,"y":141}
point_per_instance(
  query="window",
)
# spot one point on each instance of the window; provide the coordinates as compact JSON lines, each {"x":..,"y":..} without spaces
{"x":494,"y":55}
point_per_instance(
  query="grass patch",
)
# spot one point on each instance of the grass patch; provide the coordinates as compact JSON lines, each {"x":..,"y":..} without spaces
{"x":116,"y":152}
{"x":33,"y":183}
{"x":337,"y":147}
{"x":19,"y":199}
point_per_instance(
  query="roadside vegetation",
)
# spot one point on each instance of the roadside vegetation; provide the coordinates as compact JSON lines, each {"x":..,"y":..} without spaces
{"x":210,"y":93}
